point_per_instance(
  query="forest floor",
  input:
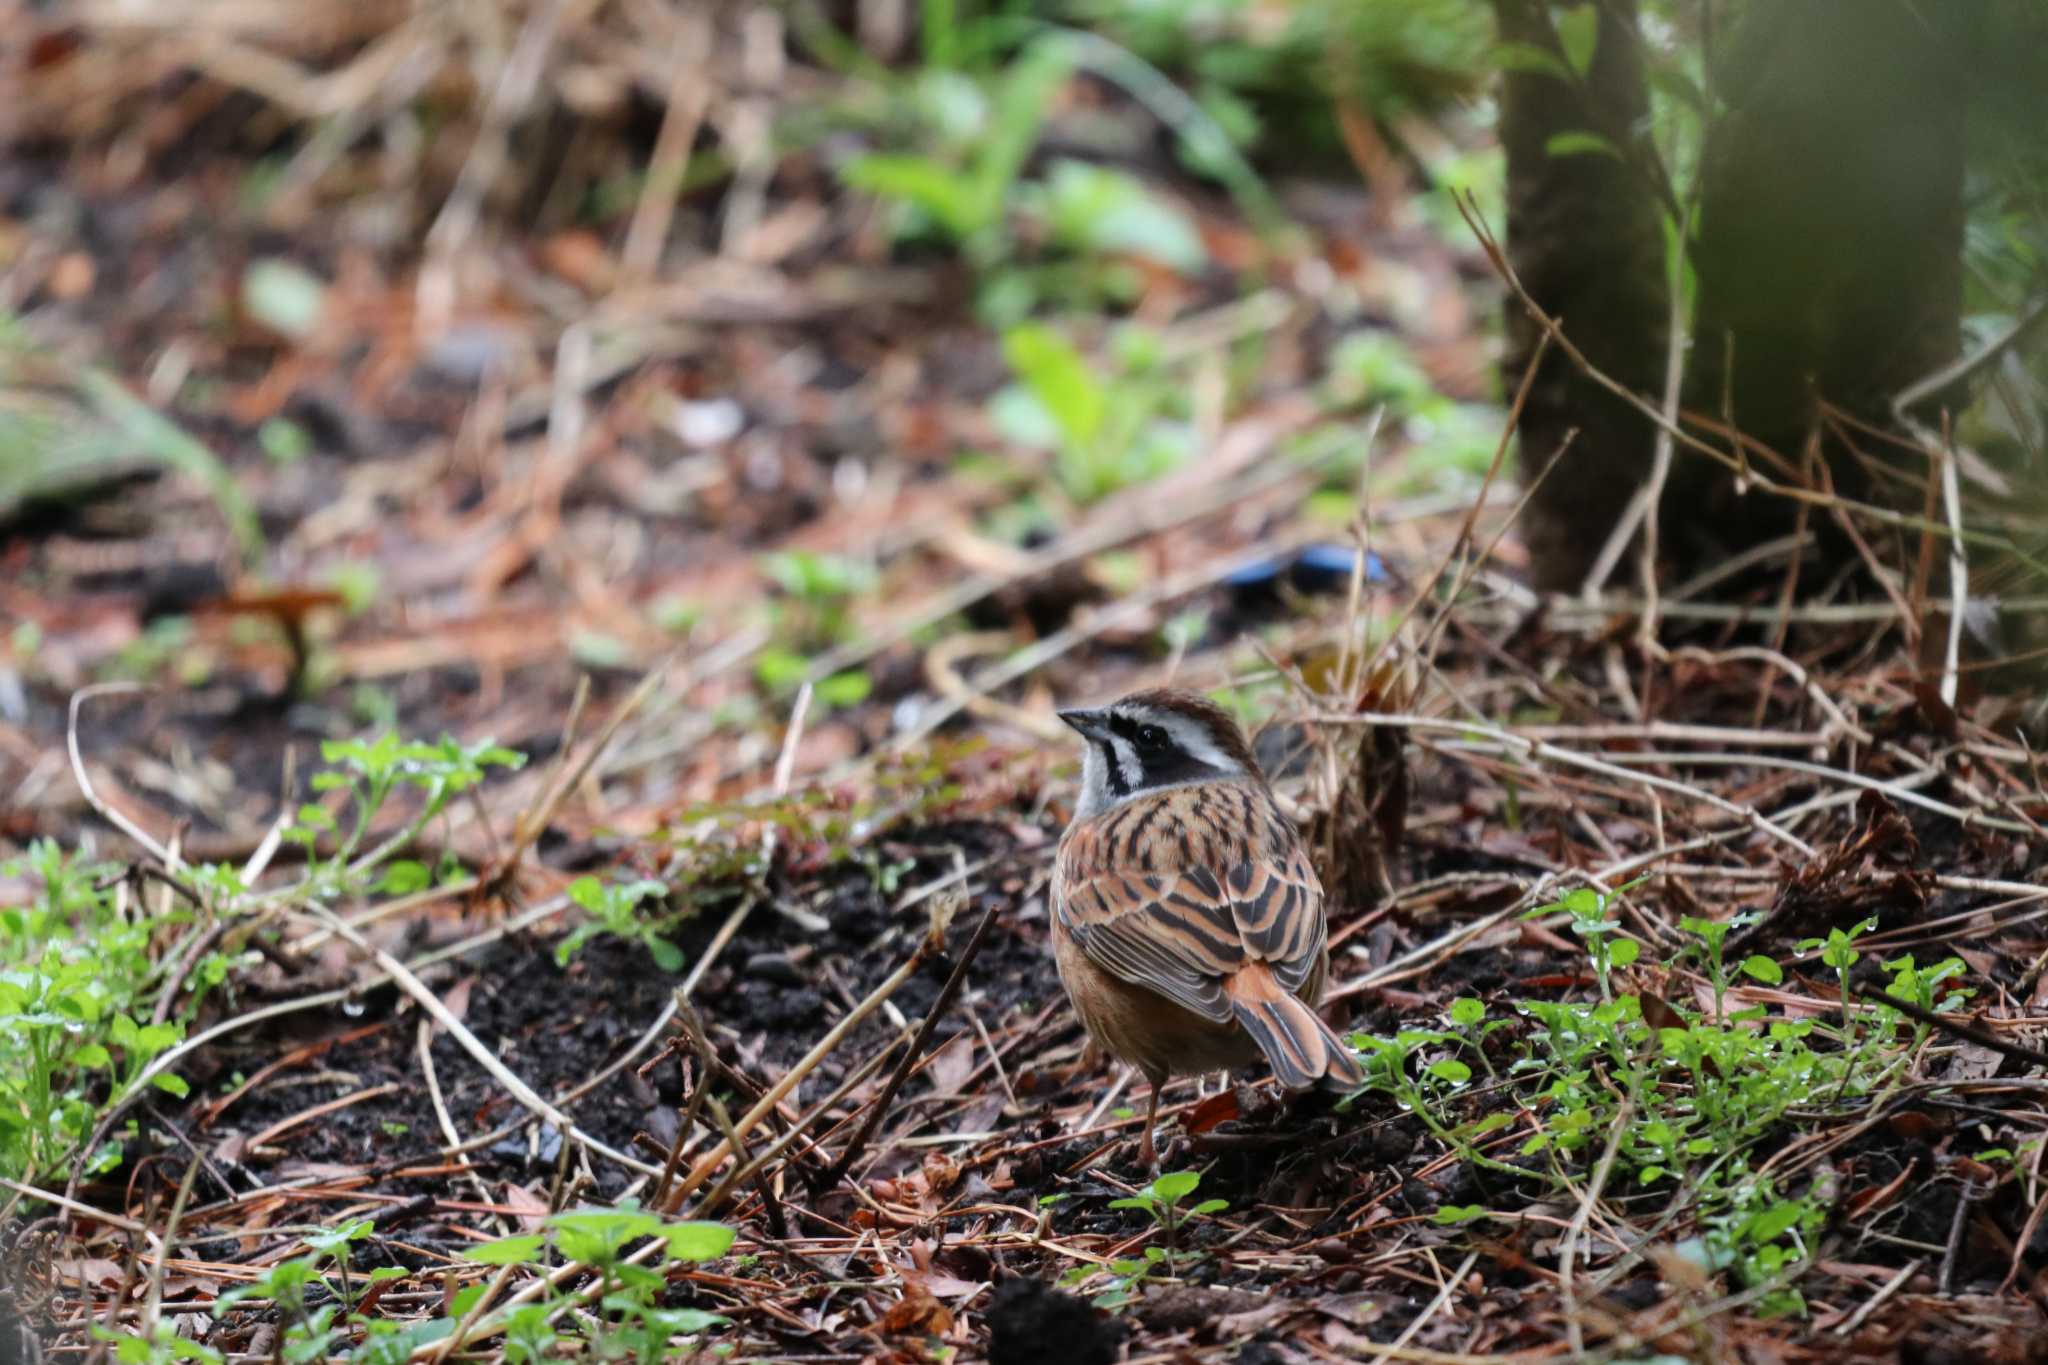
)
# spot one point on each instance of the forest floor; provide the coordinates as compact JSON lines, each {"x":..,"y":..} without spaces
{"x":1701,"y":979}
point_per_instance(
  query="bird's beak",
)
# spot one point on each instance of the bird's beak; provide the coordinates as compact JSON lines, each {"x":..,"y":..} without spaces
{"x":1091,"y":724}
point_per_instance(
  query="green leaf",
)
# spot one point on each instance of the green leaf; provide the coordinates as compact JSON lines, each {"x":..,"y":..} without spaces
{"x":336,"y":1242}
{"x":171,"y":1083}
{"x":780,"y":669}
{"x":845,"y":689}
{"x":1580,"y":143}
{"x":1492,"y":1123}
{"x":1450,"y":1214}
{"x":1677,"y":83}
{"x":133,"y":425}
{"x":1624,"y":951}
{"x":596,"y":1235}
{"x":681,"y":1321}
{"x":1775,"y":1221}
{"x":1018,"y":112}
{"x":92,"y":1056}
{"x":1146,"y":1204}
{"x":1208,"y":1206}
{"x":1465,"y":1011}
{"x":1177,"y":1186}
{"x":1059,"y":377}
{"x":697,"y":1241}
{"x":1452,"y":1070}
{"x":404,"y":877}
{"x":934,"y":189}
{"x":1584,"y":902}
{"x":1763,"y":969}
{"x":1578,"y":33}
{"x":666,"y":955}
{"x":1022,"y":420}
{"x":1530,"y":59}
{"x":1376,"y":366}
{"x":506,"y":1251}
{"x":1092,"y":209}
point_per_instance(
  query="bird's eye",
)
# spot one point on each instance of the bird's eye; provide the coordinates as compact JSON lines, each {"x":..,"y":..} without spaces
{"x":1151,"y":736}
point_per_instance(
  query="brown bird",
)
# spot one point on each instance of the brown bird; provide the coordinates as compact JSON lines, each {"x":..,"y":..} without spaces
{"x":1187,"y":921}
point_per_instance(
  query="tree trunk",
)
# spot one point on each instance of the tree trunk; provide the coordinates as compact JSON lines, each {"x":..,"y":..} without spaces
{"x":1830,"y":247}
{"x":1584,"y":235}
{"x":1828,"y":260}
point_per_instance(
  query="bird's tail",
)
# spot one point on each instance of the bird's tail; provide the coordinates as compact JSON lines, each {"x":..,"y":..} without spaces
{"x":1301,"y":1048}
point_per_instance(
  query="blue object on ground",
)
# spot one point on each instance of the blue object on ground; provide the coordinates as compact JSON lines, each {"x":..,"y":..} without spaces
{"x":1321,"y":567}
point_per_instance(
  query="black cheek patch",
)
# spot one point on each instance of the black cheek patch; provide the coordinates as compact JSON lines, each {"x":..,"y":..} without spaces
{"x":1117,"y":785}
{"x":1169,"y":766}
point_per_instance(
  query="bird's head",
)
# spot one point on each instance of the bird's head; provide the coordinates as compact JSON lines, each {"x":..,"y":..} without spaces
{"x":1154,"y":740}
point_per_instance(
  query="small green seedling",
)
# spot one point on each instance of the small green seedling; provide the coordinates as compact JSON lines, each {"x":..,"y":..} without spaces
{"x":1838,"y":950}
{"x":163,"y":1347}
{"x":1127,"y":1274}
{"x":1161,"y":1201}
{"x":614,"y":908}
{"x":370,"y":772}
{"x":1468,"y":1017}
{"x":1713,"y":936}
{"x":1588,"y":909}
{"x":1109,"y":426}
{"x":631,"y":1324}
{"x":311,"y":1328}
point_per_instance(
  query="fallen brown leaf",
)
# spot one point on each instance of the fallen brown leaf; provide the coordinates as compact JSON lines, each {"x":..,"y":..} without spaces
{"x":917,"y":1312}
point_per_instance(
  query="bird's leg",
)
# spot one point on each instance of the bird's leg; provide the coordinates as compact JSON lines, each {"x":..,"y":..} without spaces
{"x":1147,"y":1152}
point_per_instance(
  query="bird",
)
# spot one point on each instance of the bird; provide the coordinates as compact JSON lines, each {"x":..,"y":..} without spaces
{"x":1187,"y":920}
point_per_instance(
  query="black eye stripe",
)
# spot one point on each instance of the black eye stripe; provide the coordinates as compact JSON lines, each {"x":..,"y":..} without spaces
{"x":1142,"y":733}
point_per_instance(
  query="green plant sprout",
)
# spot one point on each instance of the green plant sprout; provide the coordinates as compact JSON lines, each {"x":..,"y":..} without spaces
{"x":163,"y":1346}
{"x":1588,"y":909}
{"x":812,"y":616}
{"x":1682,"y":1103}
{"x":614,"y":909}
{"x":959,"y":179}
{"x":78,"y":987}
{"x":1160,"y":1201}
{"x":370,"y":772}
{"x":629,"y":1323}
{"x":1107,"y":432}
{"x":1712,"y":936}
{"x":310,"y":1329}
{"x":1924,"y":986}
{"x":1838,"y":951}
{"x":86,"y":1024}
{"x":1127,"y":1276}
{"x":314,"y":1295}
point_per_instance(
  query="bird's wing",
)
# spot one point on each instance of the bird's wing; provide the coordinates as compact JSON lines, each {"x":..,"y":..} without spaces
{"x":1180,"y":893}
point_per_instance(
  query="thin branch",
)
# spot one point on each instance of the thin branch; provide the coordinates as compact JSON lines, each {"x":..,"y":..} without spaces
{"x":1946,"y":1024}
{"x":92,"y":798}
{"x":915,"y":1051}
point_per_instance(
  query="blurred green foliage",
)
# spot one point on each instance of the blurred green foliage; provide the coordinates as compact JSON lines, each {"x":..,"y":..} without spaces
{"x":1108,"y":428}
